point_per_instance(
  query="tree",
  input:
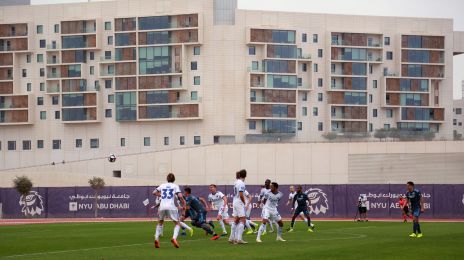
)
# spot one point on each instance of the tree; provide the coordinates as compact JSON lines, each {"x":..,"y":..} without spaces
{"x":24,"y":186}
{"x":381,"y":133}
{"x":330,"y":136}
{"x":394,"y":133}
{"x":97,"y":184}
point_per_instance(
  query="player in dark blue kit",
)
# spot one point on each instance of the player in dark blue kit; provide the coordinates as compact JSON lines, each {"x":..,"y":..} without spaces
{"x":302,"y":200}
{"x":416,"y":202}
{"x":197,"y":209}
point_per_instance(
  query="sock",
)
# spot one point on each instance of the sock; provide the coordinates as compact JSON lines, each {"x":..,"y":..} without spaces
{"x":233,"y":227}
{"x":176,"y":232}
{"x":207,"y":228}
{"x":239,"y":231}
{"x":293,"y":223}
{"x":279,"y":231}
{"x":159,"y":230}
{"x":262,"y":228}
{"x":306,"y":220}
{"x":247,"y":224}
{"x":418,"y":228}
{"x":223,"y":227}
{"x":184,"y":226}
{"x":414,"y":227}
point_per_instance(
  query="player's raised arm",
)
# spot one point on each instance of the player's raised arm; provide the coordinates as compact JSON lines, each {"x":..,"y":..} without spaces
{"x":203,"y":201}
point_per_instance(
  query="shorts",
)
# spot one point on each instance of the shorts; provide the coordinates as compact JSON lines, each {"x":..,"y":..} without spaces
{"x":224,"y":213}
{"x":173,"y":214}
{"x":362,"y":210}
{"x":271,"y":215}
{"x":299,"y":211}
{"x":238,"y":210}
{"x":416,"y":212}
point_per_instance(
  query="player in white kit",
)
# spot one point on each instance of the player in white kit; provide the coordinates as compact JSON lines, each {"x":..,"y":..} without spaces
{"x":167,"y":209}
{"x":271,"y":201}
{"x":264,"y":190}
{"x":181,"y":223}
{"x":219,"y":202}
{"x":291,"y":195}
{"x":250,"y":225}
{"x":238,"y":225}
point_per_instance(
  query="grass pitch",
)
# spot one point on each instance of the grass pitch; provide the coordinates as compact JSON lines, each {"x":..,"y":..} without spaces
{"x":331,"y":240}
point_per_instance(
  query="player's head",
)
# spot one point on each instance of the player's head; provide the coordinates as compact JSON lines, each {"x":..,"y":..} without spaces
{"x":410,"y":186}
{"x":213,"y":188}
{"x":171,"y":178}
{"x":242,"y":174}
{"x":187,"y":191}
{"x":299,"y":189}
{"x":274,"y":187}
{"x":267,"y":183}
{"x":292,"y":189}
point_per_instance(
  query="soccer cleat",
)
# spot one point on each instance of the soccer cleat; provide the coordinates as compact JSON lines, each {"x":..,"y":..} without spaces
{"x":231,"y":242}
{"x":174,"y":243}
{"x":290,"y":230}
{"x":280,"y":239}
{"x":215,"y":237}
{"x":191,"y":232}
{"x":413,"y":235}
{"x":271,"y":231}
{"x":264,"y":233}
{"x":258,"y":240}
{"x":310,"y":230}
{"x":249,"y":232}
{"x":224,"y":234}
{"x":157,"y":244}
{"x":241,"y":242}
{"x":419,"y":235}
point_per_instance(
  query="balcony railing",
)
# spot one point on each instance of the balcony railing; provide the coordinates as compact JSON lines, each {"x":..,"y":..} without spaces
{"x":53,"y":89}
{"x":304,"y":56}
{"x":53,"y":61}
{"x":53,"y":46}
{"x":346,"y":43}
{"x":5,"y":48}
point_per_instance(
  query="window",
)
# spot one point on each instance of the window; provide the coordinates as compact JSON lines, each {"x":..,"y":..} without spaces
{"x":315,"y":38}
{"x":166,"y":140}
{"x":196,"y":80}
{"x":319,"y":97}
{"x":107,"y":26}
{"x":78,"y":143}
{"x":56,"y":144}
{"x":109,"y":40}
{"x":316,"y":67}
{"x":374,"y":83}
{"x":305,"y":96}
{"x":28,"y":58}
{"x":386,"y":126}
{"x":146,"y":141}
{"x":304,"y":37}
{"x":458,"y":111}
{"x":320,"y":53}
{"x":386,"y":41}
{"x":196,"y":140}
{"x":11,"y":145}
{"x":305,"y":67}
{"x":252,"y":125}
{"x":110,"y":99}
{"x":300,"y":126}
{"x":39,"y":58}
{"x":56,"y":28}
{"x":42,"y":43}
{"x":374,"y":113}
{"x":29,"y":87}
{"x":43,"y":115}
{"x":24,"y":73}
{"x":55,"y":100}
{"x":108,"y":113}
{"x":122,"y":142}
{"x":182,"y":140}
{"x":92,"y":55}
{"x":252,"y":50}
{"x":320,"y":126}
{"x":42,"y":72}
{"x":26,"y":145}
{"x":371,"y":127}
{"x":370,"y":98}
{"x":94,"y":143}
{"x":92,"y":70}
{"x":315,"y":111}
{"x":371,"y":69}
{"x":108,"y":83}
{"x":389,"y":55}
{"x":194,"y":95}
{"x":57,"y":115}
{"x":40,"y":144}
{"x":196,"y":50}
{"x":39,"y":29}
{"x":389,"y":113}
{"x":193,"y":65}
{"x":254,"y":65}
{"x":320,"y":82}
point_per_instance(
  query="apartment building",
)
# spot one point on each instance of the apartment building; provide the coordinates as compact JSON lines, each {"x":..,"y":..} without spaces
{"x":458,"y":116}
{"x":80,"y":81}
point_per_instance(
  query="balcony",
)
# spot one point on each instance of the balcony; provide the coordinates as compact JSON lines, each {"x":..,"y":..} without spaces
{"x":168,"y":112}
{"x":79,"y":115}
{"x":349,"y":113}
{"x":14,"y":102}
{"x":53,"y":47}
{"x":14,"y":117}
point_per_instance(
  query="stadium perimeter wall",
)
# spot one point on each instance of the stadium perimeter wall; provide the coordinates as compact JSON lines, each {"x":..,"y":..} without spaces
{"x":436,"y":162}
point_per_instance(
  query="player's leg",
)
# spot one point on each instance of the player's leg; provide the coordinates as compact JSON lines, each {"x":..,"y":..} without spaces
{"x":310,"y":224}
{"x":262,"y":229}
{"x":241,"y":228}
{"x":159,"y":229}
{"x":233,"y":229}
{"x":220,"y":220}
{"x":292,"y":224}
{"x":174,"y":215}
{"x":201,"y":222}
{"x":277,"y":219}
{"x":186,"y":227}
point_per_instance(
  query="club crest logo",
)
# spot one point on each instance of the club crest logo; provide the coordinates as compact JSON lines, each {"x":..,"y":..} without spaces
{"x":319,"y":202}
{"x":32,"y":205}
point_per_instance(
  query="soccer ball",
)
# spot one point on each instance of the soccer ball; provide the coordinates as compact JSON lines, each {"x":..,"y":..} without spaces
{"x":112,"y":158}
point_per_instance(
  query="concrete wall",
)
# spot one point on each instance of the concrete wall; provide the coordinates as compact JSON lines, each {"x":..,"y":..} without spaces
{"x":308,"y":163}
{"x":15,"y":2}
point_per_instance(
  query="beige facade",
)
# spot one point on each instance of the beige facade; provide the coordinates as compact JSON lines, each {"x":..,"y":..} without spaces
{"x":81,"y":81}
{"x":458,"y":116}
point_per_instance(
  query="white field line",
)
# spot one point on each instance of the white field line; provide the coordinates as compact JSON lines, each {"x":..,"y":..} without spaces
{"x":353,"y":236}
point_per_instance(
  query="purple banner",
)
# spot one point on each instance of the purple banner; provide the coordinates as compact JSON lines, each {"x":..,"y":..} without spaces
{"x":328,"y":201}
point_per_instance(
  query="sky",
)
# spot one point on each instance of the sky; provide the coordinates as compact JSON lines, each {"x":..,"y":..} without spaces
{"x":412,"y":8}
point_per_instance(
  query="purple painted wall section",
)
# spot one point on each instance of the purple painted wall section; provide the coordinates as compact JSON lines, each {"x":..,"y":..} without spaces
{"x":329,"y":201}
